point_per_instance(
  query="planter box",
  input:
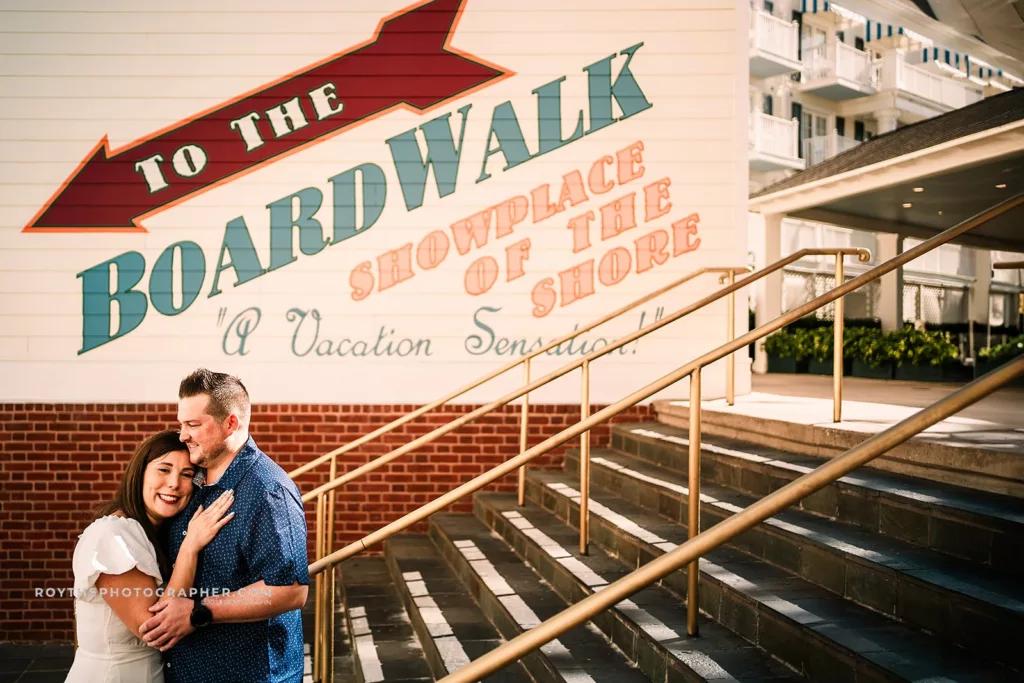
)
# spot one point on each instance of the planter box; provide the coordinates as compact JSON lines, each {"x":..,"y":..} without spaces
{"x":953,"y":372}
{"x":864,"y":370}
{"x":787,"y":366}
{"x":824,"y":367}
{"x":983,"y":367}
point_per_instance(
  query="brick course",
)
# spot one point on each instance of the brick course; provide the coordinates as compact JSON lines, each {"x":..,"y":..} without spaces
{"x":59,"y":461}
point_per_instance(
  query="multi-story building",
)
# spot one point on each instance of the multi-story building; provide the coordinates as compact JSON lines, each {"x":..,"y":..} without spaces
{"x":823,"y":79}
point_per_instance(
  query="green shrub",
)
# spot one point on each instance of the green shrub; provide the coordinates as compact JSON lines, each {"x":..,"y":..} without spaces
{"x":1003,"y":352}
{"x":870,"y":346}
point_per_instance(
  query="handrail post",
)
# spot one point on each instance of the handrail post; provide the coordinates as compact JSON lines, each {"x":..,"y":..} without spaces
{"x":693,"y":504}
{"x":524,"y":431}
{"x":318,"y":606}
{"x":730,"y":333}
{"x":331,"y":575}
{"x":585,"y":462}
{"x":837,"y":346}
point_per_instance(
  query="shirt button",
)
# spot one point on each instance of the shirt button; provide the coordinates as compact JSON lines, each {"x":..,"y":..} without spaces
{"x":184,"y":532}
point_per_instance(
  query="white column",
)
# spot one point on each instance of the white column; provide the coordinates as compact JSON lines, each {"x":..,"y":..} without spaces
{"x":979,"y":307}
{"x":982,"y":285}
{"x":886,"y":120}
{"x":890,"y":74}
{"x":767,"y":290}
{"x":890,"y":295}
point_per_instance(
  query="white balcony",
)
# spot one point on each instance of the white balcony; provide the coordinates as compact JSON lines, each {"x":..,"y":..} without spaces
{"x":773,"y":45}
{"x":836,"y":71}
{"x":945,"y":93}
{"x":773,"y":143}
{"x":818,"y":149}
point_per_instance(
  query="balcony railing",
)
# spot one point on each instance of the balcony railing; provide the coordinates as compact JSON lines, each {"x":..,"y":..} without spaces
{"x":774,"y":35}
{"x":818,"y":149}
{"x":773,"y":135}
{"x":934,"y":87}
{"x":834,"y":60}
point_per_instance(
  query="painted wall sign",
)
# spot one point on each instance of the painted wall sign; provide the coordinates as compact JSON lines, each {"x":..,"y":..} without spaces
{"x":463,"y":182}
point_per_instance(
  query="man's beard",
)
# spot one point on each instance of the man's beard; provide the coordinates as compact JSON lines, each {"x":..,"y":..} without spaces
{"x":205,"y":459}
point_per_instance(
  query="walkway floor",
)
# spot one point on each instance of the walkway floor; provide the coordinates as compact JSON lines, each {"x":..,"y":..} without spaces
{"x":871,"y":406}
{"x":1004,"y":407}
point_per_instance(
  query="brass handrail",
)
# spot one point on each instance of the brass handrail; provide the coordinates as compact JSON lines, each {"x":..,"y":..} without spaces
{"x":495,"y":660}
{"x":529,"y":454}
{"x":412,"y":415}
{"x":862,"y":254}
{"x":690,"y":551}
{"x":323,"y":619}
{"x":671,"y":378}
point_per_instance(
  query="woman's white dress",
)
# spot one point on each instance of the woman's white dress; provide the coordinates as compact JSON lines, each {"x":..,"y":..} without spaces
{"x":108,"y":652}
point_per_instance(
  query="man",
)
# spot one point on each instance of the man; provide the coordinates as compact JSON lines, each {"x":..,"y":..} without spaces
{"x":253,"y":633}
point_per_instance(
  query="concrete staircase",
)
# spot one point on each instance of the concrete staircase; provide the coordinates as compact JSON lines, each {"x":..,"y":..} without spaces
{"x":878,"y":577}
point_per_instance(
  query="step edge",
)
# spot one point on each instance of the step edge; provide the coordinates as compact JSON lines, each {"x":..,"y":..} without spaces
{"x":831,"y":644}
{"x":640,"y":633}
{"x":788,"y":471}
{"x":995,"y":610}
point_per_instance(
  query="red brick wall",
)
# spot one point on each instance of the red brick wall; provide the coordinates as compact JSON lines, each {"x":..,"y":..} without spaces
{"x":58,"y":461}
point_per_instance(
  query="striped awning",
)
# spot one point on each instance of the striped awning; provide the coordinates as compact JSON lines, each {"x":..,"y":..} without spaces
{"x":998,"y":23}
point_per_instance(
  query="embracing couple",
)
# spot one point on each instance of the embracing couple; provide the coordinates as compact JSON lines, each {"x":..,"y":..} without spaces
{"x":196,"y":570}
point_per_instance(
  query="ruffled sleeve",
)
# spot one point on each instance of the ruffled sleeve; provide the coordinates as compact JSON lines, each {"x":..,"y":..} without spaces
{"x":111,"y":545}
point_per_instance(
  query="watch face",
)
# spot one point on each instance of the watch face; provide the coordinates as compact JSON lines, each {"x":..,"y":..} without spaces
{"x":201,"y":615}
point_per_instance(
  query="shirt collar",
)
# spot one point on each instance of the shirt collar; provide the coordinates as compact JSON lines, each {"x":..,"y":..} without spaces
{"x":238,"y":468}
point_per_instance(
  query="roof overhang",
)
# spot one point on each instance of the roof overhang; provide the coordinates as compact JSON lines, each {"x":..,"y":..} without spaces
{"x":957,"y":179}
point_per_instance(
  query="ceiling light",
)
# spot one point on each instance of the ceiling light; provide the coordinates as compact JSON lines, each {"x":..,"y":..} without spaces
{"x":1001,"y":186}
{"x":918,"y":189}
{"x":907,"y":205}
{"x":940,"y":213}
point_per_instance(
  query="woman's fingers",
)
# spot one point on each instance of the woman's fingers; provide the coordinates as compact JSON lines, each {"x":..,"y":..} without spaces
{"x":198,"y":511}
{"x":220,"y":506}
{"x":227,"y":518}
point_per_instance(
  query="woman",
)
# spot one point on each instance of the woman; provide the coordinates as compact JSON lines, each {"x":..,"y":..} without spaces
{"x":119,"y":564}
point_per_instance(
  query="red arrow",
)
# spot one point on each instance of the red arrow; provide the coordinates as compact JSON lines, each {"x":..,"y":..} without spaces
{"x":408,"y":63}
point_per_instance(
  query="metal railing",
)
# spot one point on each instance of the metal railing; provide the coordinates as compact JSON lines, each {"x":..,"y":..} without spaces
{"x":324,"y":543}
{"x":689,"y":552}
{"x":323,"y":494}
{"x":700,"y":544}
{"x":323,"y":663}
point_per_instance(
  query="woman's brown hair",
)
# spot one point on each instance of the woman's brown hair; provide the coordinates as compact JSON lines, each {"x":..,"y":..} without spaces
{"x":128,"y":498}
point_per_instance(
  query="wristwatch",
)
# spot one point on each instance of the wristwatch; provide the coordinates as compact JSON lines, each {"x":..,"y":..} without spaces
{"x":201,"y":615}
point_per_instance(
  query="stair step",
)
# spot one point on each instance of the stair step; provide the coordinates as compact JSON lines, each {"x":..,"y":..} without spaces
{"x":344,"y":658}
{"x":515,"y":599}
{"x":970,"y":605}
{"x":450,"y":625}
{"x":819,"y":634}
{"x":385,"y":646}
{"x":650,"y":626}
{"x":965,"y":523}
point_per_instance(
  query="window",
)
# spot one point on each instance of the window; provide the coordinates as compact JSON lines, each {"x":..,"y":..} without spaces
{"x":797,"y":113}
{"x":766,"y":104}
{"x":811,"y":38}
{"x":813,"y":125}
{"x":858,"y":43}
{"x":769,"y":6}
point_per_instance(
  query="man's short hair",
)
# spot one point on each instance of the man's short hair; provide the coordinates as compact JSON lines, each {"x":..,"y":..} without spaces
{"x":226,"y":392}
